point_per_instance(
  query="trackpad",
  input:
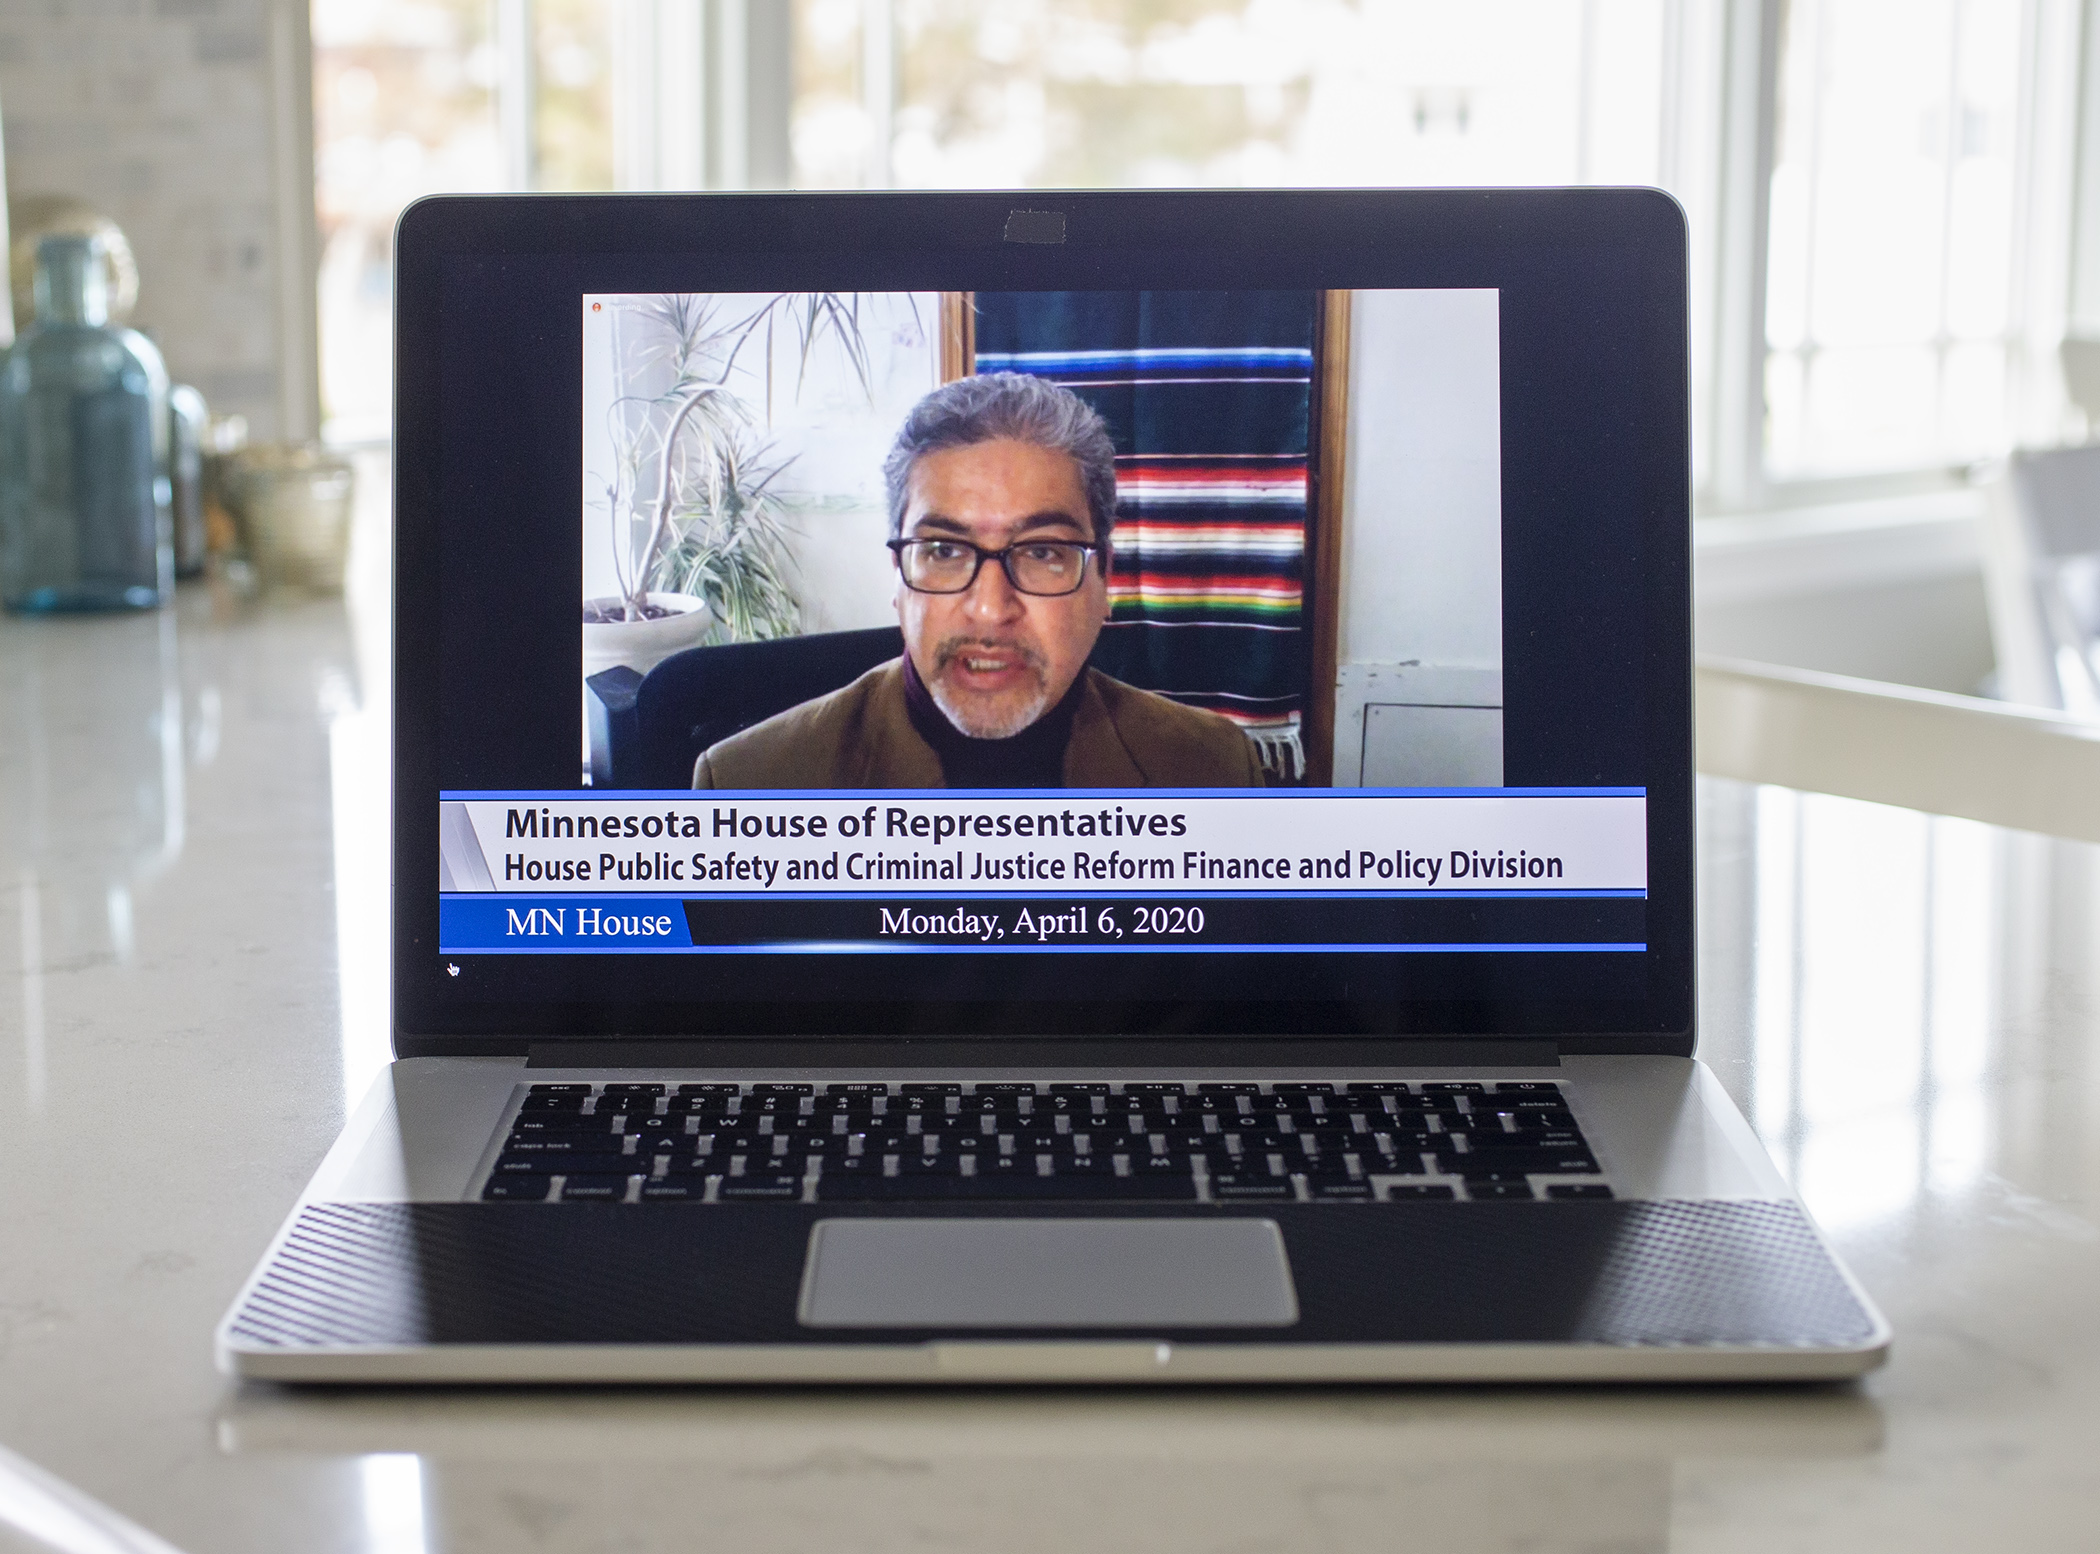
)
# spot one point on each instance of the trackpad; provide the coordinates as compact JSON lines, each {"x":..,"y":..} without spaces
{"x":1047,"y":1273}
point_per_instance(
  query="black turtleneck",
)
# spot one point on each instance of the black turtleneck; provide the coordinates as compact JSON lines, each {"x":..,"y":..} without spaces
{"x":1033,"y":758}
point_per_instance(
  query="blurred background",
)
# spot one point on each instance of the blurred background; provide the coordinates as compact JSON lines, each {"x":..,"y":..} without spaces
{"x":1895,"y":215}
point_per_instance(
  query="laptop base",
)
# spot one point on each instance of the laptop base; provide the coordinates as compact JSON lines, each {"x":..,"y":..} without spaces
{"x":1628,"y":1291}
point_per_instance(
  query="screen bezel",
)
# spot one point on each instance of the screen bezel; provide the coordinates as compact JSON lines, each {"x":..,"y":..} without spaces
{"x":1517,"y":239}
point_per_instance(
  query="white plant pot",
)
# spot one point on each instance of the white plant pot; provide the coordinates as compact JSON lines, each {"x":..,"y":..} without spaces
{"x":642,"y":645}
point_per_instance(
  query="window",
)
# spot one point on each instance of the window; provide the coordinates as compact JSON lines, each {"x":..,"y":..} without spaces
{"x":404,"y":105}
{"x":1066,"y":93}
{"x":416,"y":97}
{"x":1909,"y":143}
{"x":1879,"y":191}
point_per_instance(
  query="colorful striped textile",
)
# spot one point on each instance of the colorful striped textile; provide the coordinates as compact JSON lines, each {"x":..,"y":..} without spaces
{"x":1208,"y":395}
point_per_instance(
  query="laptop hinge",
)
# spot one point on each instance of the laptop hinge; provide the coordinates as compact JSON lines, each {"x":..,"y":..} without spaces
{"x":1022,"y":1052}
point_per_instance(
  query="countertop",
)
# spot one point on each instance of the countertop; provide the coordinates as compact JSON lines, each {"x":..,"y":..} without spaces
{"x":192,"y":965}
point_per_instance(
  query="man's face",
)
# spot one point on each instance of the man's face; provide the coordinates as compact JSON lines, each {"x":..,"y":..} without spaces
{"x":994,"y":658}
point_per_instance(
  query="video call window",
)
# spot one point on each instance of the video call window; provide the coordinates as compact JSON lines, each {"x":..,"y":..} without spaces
{"x":1103,"y":540}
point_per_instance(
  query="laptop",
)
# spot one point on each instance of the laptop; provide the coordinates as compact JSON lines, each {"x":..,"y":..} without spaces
{"x":1050,"y":787}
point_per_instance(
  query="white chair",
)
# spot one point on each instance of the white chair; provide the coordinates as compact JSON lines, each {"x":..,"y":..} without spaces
{"x":2042,"y":562}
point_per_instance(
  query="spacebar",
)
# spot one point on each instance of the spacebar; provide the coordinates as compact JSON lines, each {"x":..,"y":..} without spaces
{"x":894,"y":1189}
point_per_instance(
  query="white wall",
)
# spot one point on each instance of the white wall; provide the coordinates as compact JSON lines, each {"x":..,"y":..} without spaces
{"x":1420,"y":680}
{"x":182,"y":120}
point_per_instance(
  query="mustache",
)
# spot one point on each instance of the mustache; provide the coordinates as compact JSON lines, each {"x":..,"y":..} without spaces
{"x":952,"y":648}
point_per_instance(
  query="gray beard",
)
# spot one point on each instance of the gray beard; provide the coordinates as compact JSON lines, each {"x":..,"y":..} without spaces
{"x":979,"y":727}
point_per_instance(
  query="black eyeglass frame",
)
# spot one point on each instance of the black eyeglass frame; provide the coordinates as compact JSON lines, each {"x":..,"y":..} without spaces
{"x":1089,"y":548}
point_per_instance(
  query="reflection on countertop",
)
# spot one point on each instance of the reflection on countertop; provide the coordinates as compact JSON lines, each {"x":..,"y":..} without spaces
{"x":192,"y":972}
{"x":1137,"y":1469}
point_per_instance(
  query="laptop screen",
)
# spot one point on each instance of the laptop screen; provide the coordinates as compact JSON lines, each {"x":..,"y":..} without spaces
{"x":1255,"y":657}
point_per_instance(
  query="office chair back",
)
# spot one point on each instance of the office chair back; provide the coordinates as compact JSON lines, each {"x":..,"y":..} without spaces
{"x":647,"y":730}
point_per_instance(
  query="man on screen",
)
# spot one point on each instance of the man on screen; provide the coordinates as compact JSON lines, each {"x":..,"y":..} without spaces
{"x":1002,"y":497}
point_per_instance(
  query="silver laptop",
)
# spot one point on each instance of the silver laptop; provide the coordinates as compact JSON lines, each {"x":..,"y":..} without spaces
{"x":1054,"y":787}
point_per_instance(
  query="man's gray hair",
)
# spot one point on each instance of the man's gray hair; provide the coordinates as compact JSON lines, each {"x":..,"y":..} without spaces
{"x":1011,"y":406}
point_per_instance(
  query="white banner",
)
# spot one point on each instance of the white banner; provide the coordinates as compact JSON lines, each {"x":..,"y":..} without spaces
{"x":1326,"y":841}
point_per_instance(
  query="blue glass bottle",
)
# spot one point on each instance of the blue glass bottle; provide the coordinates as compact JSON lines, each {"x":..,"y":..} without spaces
{"x":86,"y":520}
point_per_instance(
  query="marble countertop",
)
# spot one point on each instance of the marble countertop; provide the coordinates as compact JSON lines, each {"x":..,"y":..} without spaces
{"x":192,"y":988}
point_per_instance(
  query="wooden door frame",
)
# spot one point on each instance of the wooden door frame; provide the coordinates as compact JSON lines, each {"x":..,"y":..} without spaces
{"x":958,"y":335}
{"x":1327,"y":446}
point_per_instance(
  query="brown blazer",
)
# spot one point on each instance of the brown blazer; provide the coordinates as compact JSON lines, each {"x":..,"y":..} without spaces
{"x":861,"y":737}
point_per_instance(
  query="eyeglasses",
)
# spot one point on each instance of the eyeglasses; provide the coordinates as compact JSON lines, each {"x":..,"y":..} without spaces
{"x":1045,"y":568}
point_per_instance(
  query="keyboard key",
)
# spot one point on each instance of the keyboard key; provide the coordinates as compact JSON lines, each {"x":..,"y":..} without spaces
{"x":1161,"y":1165}
{"x":1524,"y":1162}
{"x":1326,"y":1125}
{"x":859,"y":1108}
{"x":1336,"y":1190}
{"x":778,"y":1189}
{"x":1395,"y":1165}
{"x":1578,"y":1190}
{"x":675,"y":1189}
{"x":1302,"y":1089}
{"x":853,"y":1165}
{"x":858,"y":1088}
{"x":1006,"y":1165}
{"x":585,"y":1165}
{"x":1086,"y":1165}
{"x":706,"y":1106}
{"x":534,"y":1124}
{"x":1237,"y":1187}
{"x":1544,"y":1122}
{"x":553,"y":1103}
{"x":552,"y":1089}
{"x":562,"y":1144}
{"x":1036,"y":1189}
{"x":658,"y":1142}
{"x":1408,"y":1191}
{"x":725,"y":1141}
{"x":609,"y":1189}
{"x":517,"y":1189}
{"x":1478,"y":1191}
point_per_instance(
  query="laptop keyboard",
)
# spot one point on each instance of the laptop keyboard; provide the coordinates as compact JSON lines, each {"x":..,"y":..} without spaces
{"x":1160,"y":1142}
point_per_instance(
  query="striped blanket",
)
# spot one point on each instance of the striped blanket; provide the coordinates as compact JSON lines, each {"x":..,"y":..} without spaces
{"x":1208,"y":395}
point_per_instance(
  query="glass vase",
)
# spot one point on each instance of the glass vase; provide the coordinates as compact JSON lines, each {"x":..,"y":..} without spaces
{"x":86,"y":520}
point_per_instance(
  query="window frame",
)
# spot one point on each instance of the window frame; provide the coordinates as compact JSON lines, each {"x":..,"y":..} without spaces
{"x":2057,"y":156}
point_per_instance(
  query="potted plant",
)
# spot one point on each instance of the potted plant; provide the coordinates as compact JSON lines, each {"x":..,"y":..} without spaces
{"x":699,"y":536}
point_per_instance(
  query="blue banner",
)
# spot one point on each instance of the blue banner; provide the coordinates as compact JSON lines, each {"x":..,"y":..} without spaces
{"x":519,"y":922}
